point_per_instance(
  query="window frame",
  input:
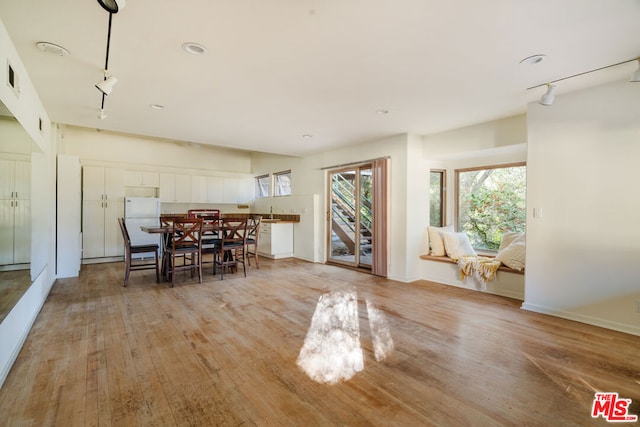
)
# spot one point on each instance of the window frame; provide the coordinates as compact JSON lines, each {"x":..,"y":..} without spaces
{"x":257,"y":186}
{"x":276,"y":187}
{"x":443,"y":196}
{"x":457,"y":191}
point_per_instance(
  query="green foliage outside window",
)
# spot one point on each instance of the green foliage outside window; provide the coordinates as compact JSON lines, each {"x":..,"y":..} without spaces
{"x":491,"y":202}
{"x":436,"y":202}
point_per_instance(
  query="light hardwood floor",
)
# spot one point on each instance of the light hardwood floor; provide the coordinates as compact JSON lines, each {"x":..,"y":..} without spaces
{"x":225,"y":352}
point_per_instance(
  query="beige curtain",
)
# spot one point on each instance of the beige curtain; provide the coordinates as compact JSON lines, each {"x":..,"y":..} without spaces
{"x":380,"y":203}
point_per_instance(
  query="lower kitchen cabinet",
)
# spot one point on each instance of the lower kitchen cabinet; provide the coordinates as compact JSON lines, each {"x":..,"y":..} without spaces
{"x":275,"y":240}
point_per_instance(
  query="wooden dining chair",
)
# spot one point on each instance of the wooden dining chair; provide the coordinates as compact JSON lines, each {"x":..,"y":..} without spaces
{"x":186,"y":243}
{"x":130,"y":249}
{"x":211,"y":232}
{"x":253,"y":231}
{"x":166,"y":221}
{"x":230,"y":250}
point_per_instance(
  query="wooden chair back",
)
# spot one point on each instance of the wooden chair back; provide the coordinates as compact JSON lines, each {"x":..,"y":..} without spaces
{"x":186,"y":233}
{"x":125,"y":235}
{"x":234,"y":232}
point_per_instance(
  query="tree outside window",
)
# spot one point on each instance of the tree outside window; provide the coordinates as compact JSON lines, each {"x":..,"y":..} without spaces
{"x":436,"y":197}
{"x":490,"y":202}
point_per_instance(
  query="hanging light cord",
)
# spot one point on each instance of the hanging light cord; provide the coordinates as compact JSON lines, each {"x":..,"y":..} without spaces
{"x":106,"y":61}
{"x":580,"y":74}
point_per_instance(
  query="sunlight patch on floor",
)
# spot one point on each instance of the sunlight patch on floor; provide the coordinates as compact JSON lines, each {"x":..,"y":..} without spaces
{"x":331,"y":352}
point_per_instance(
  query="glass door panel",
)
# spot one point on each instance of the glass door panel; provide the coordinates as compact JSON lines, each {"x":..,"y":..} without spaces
{"x":350,"y":217}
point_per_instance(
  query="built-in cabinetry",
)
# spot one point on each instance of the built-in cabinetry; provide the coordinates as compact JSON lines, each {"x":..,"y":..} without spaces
{"x":218,"y":189}
{"x":102,"y":205}
{"x":275,"y":240}
{"x":175,"y":188}
{"x":141,"y":179}
{"x":15,"y":212}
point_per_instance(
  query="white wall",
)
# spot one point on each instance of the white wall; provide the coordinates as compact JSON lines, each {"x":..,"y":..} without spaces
{"x":106,"y":147}
{"x":29,"y":111}
{"x":309,"y":177}
{"x":583,"y":253}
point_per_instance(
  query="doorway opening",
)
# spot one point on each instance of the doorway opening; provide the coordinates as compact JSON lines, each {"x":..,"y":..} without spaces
{"x":350,"y":219}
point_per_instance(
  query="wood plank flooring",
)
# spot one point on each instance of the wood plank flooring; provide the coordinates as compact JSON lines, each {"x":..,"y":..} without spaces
{"x":223,"y":353}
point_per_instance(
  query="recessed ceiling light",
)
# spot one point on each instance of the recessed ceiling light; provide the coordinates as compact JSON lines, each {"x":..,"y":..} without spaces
{"x":307,"y":136}
{"x":382,"y":111}
{"x":156,"y":106}
{"x":52,"y":48}
{"x":194,"y":48}
{"x":533,"y":59}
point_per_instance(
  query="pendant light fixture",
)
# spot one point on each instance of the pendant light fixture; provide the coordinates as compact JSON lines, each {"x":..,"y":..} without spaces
{"x":112,"y":6}
{"x":106,"y":84}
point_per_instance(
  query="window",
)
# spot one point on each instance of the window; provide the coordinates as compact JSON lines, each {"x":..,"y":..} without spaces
{"x":282,"y":183}
{"x":491,"y":201}
{"x":437,"y":197}
{"x":262,"y":186}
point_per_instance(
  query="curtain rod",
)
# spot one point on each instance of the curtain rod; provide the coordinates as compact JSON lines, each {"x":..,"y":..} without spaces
{"x":354,"y":163}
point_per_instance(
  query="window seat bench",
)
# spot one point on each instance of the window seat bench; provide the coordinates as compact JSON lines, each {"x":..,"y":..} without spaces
{"x":447,"y":259}
{"x":442,"y":269}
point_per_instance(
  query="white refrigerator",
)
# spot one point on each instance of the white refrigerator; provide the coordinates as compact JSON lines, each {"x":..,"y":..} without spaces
{"x":139,"y":212}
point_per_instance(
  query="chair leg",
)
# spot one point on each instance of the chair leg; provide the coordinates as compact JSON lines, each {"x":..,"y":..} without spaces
{"x":172,"y":271}
{"x":255,"y":255}
{"x":157,"y":267}
{"x":127,"y":269}
{"x":244,"y":264}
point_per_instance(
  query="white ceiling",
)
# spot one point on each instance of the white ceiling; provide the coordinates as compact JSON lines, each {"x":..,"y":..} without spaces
{"x":275,"y":70}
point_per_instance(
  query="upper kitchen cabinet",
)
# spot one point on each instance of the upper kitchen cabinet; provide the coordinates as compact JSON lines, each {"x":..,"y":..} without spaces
{"x":141,"y":179}
{"x":175,"y":188}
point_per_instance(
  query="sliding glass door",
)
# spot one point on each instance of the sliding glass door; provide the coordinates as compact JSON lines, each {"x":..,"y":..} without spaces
{"x":350,"y":218}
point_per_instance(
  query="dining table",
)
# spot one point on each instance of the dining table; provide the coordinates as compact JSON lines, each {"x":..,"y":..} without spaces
{"x":165,"y":230}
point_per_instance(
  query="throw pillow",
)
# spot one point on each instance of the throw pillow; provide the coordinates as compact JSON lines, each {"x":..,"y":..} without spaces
{"x":513,"y":256}
{"x":457,"y":245}
{"x":507,"y":238}
{"x":435,"y":239}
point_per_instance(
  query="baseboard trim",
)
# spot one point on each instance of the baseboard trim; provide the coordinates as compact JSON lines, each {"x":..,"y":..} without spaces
{"x":590,"y":320}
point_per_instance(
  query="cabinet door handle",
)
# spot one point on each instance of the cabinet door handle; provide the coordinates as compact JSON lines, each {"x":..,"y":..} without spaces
{"x":106,"y":196}
{"x":17,"y":195}
{"x":16,"y":204}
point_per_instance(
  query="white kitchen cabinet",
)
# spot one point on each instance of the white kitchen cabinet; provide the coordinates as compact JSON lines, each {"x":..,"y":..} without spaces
{"x":175,"y":188}
{"x":246,"y":189}
{"x":141,"y":179}
{"x":15,"y":212}
{"x":198,"y":189}
{"x":215,"y":189}
{"x":231,"y":190}
{"x":102,"y":205}
{"x":238,"y":189}
{"x":275,"y":240}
